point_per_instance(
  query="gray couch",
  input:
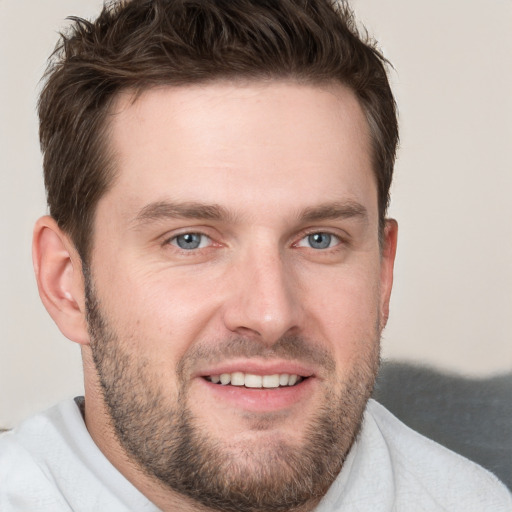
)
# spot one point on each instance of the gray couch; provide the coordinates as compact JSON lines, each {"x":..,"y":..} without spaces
{"x":470,"y":416}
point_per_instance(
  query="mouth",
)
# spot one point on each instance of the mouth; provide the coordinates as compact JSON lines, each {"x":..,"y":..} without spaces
{"x":259,"y":386}
{"x":254,"y":381}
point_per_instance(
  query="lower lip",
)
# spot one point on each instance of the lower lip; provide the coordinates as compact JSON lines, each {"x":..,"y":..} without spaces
{"x":261,"y":399}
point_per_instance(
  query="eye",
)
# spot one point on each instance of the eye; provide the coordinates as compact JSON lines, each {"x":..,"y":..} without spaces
{"x":190,"y":241}
{"x":319,"y":241}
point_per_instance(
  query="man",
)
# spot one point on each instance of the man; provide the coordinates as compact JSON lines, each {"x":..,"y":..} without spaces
{"x":218,"y":177}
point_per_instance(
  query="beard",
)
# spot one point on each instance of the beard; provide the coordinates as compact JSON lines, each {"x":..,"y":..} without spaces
{"x":169,"y":443}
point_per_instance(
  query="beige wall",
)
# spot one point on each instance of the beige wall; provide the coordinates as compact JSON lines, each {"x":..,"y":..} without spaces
{"x":452,"y":302}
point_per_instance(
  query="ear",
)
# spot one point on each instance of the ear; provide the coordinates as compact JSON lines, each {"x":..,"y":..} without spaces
{"x":389,"y":243}
{"x":58,"y":270}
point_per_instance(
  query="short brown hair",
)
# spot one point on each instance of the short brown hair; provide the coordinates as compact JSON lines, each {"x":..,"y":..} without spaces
{"x":137,"y":44}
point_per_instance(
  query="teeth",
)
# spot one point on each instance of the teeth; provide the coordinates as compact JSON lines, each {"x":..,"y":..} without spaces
{"x":271,"y":381}
{"x":253,"y":381}
{"x":237,"y":379}
{"x":250,"y":380}
{"x":284,"y":379}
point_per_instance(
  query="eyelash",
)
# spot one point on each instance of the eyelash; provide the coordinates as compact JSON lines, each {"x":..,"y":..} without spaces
{"x":173,"y":241}
{"x":337,"y":238}
{"x":340,"y":241}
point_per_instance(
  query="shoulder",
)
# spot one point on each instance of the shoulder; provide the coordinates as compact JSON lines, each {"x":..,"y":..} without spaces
{"x":25,"y":472}
{"x":44,"y":436}
{"x":50,"y":463}
{"x":431,"y":470}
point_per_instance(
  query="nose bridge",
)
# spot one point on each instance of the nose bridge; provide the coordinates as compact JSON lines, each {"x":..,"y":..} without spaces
{"x":265,"y":301}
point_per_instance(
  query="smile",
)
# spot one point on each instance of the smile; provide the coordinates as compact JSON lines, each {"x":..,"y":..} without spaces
{"x":250,"y":380}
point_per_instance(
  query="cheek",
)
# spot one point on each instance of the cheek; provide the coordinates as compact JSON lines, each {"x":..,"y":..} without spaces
{"x":345,"y":312}
{"x":160,"y":313}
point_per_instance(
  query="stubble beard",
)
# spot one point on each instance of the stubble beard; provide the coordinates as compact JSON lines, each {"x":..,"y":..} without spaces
{"x":170,"y":444}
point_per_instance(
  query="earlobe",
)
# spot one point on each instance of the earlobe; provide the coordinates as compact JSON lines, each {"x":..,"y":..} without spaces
{"x":389,"y":244}
{"x":58,"y":270}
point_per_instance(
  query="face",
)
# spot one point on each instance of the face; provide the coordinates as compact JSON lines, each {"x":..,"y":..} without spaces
{"x":236,"y":289}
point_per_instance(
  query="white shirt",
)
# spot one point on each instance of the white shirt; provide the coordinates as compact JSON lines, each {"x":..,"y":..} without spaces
{"x":51,"y":464}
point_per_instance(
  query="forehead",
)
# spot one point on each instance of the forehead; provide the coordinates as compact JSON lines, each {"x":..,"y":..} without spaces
{"x":254,"y":144}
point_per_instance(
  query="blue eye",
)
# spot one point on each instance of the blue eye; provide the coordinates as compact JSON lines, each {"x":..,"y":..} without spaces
{"x":319,"y":241}
{"x":190,"y":241}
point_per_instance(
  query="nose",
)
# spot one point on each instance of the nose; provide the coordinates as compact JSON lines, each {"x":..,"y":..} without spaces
{"x":264,"y":297}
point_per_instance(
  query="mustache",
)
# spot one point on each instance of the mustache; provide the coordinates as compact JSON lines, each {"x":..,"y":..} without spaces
{"x":296,"y":348}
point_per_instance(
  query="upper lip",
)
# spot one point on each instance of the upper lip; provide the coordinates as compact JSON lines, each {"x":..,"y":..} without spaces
{"x":257,"y":367}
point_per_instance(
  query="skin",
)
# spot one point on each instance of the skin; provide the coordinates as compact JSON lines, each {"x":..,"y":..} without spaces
{"x":279,"y":161}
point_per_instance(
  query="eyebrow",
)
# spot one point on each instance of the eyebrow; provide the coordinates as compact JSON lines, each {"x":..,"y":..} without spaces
{"x":162,"y":210}
{"x":336,"y":210}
